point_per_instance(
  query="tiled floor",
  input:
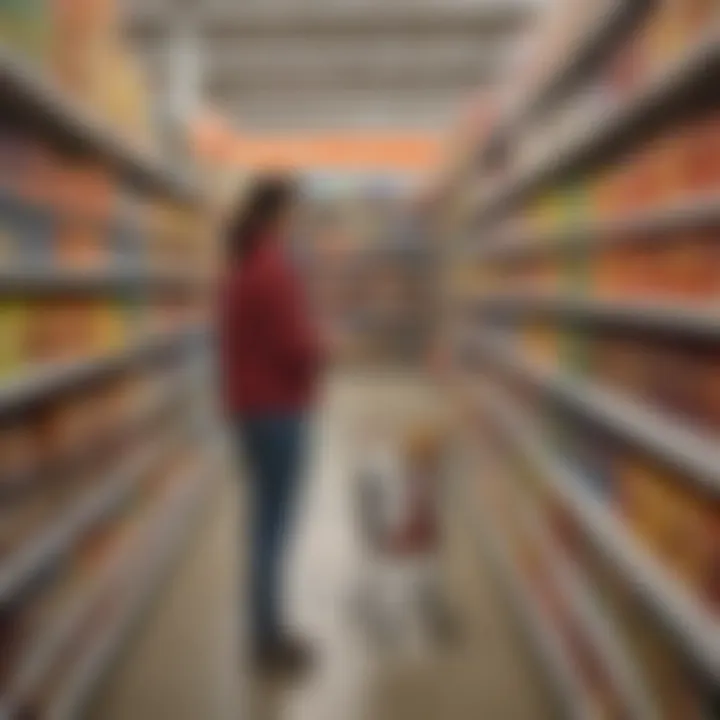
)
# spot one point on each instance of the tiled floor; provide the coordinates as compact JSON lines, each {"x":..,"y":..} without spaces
{"x":182,"y":665}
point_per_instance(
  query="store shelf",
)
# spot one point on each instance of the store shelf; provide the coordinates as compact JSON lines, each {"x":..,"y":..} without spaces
{"x":560,"y":669}
{"x":612,"y":26}
{"x":49,"y":282}
{"x":60,"y":535}
{"x":645,"y":226}
{"x":698,"y":323}
{"x":696,"y":629}
{"x":38,"y":386}
{"x":164,"y":543}
{"x":599,"y":627}
{"x":45,"y":648}
{"x":686,"y":84}
{"x":687,"y":449}
{"x":27,"y":95}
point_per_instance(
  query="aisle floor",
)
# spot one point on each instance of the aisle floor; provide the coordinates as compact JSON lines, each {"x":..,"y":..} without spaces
{"x":183,"y":664}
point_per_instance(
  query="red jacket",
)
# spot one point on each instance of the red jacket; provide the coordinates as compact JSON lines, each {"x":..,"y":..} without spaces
{"x":270,"y":354}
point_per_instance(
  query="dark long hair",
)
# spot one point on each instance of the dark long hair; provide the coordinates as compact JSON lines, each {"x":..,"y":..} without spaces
{"x":268,"y":199}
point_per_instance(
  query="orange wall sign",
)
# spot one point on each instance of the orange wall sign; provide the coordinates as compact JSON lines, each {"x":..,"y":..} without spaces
{"x":218,"y":143}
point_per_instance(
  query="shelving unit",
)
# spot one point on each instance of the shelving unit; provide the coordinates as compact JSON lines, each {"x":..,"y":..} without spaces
{"x":696,"y":629}
{"x":83,"y":283}
{"x":685,"y":448}
{"x":554,"y":657}
{"x":692,"y":323}
{"x":116,"y":347}
{"x":40,"y":384}
{"x":167,"y":538}
{"x":696,"y":214}
{"x":589,"y":616}
{"x":678,"y":89}
{"x":31,"y":557}
{"x":586,"y":307}
{"x":616,"y":21}
{"x":30,"y":96}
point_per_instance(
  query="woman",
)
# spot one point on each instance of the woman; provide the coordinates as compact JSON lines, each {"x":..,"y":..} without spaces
{"x":270,"y":362}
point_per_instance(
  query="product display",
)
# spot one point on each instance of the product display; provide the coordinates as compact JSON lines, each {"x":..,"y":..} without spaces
{"x":590,"y":303}
{"x":369,"y":270}
{"x":103,"y":409}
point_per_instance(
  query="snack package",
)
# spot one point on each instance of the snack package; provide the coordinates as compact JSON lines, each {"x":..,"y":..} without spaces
{"x":18,"y":457}
{"x":14,"y":355}
{"x":81,"y":245}
{"x":62,"y":431}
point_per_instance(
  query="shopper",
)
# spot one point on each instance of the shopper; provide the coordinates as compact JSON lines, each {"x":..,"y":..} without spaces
{"x":270,"y":358}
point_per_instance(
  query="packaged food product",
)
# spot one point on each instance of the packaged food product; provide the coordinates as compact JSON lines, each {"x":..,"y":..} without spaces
{"x":81,"y":31}
{"x":98,"y":192}
{"x":14,"y":633}
{"x":24,"y":26}
{"x":51,"y":331}
{"x":111,"y":329}
{"x":619,"y":363}
{"x":659,"y":664}
{"x":633,"y":482}
{"x":98,"y":547}
{"x":14,"y":354}
{"x":669,"y":164}
{"x":670,"y":369}
{"x":673,"y":686}
{"x":540,"y":341}
{"x":693,"y":528}
{"x":81,"y":245}
{"x":44,"y":171}
{"x":671,"y":517}
{"x":647,"y":180}
{"x":15,"y":154}
{"x":86,"y":337}
{"x":18,"y":456}
{"x":700,"y":156}
{"x":575,"y":345}
{"x":62,"y":431}
{"x":111,"y":416}
{"x":665,"y":37}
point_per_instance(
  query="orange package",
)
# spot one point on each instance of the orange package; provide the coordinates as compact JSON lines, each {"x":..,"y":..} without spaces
{"x":80,"y":245}
{"x":62,"y":436}
{"x":700,"y":157}
{"x":688,"y":533}
{"x":46,"y":332}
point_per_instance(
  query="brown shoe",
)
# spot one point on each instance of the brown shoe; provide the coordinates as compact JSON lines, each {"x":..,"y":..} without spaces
{"x":284,"y":658}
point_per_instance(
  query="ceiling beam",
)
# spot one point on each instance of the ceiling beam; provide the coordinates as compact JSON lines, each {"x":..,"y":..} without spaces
{"x":392,"y":79}
{"x":308,"y":23}
{"x":347,"y":110}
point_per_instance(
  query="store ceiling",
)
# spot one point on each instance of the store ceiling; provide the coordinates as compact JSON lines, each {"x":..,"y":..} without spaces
{"x":314,"y":65}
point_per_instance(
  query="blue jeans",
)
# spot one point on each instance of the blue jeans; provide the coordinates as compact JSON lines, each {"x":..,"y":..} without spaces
{"x":273,"y":446}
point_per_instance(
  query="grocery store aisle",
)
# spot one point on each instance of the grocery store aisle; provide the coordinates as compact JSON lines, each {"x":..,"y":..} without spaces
{"x":182,"y":666}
